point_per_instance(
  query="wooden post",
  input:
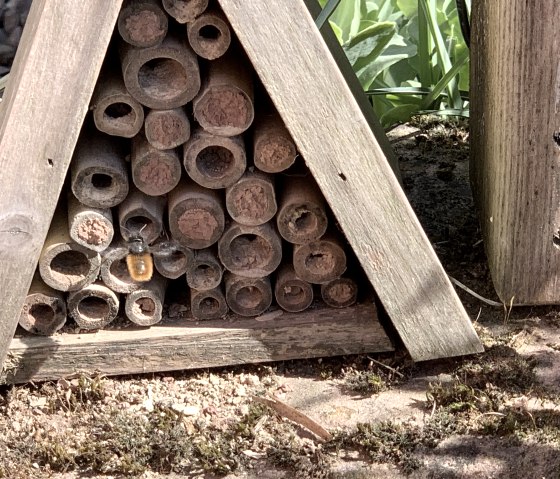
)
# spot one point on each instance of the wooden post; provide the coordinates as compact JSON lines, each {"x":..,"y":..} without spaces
{"x":349,"y":162}
{"x":515,"y":145}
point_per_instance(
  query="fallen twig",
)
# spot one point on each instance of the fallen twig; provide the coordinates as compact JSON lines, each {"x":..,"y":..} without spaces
{"x":296,"y":416}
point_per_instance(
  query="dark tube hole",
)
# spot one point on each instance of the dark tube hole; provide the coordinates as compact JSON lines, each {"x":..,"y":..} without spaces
{"x":101,"y":181}
{"x":118,"y":110}
{"x":93,"y":307}
{"x":210,"y":32}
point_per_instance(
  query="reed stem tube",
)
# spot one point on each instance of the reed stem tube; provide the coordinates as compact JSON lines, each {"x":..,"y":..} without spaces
{"x":250,"y":251}
{"x":320,"y":261}
{"x":208,"y":304}
{"x":167,"y":129}
{"x":251,"y":200}
{"x":205,"y":271}
{"x":44,"y":309}
{"x":224,"y":105}
{"x":140,"y":214}
{"x":154,"y":172}
{"x":248,"y":296}
{"x":99,"y":174}
{"x":64,"y":264}
{"x":142,"y":23}
{"x":340,"y":292}
{"x":115,"y":112}
{"x":209,"y":34}
{"x":162,"y":77}
{"x":292,"y":293}
{"x":174,"y":262}
{"x":185,"y":11}
{"x":114,"y":270}
{"x":90,"y":227}
{"x":214,"y":161}
{"x":274,"y":149}
{"x":196,"y":215}
{"x":94,"y":306}
{"x":302,"y":215}
{"x":145,"y":305}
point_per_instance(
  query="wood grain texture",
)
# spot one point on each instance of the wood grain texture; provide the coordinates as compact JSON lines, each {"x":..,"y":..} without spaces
{"x":515,"y":117}
{"x":41,"y":114}
{"x":188,"y":345}
{"x":346,"y":158}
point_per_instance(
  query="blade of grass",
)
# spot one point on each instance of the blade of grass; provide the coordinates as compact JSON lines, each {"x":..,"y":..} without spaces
{"x":424,"y":49}
{"x":429,"y":9}
{"x":445,"y":80}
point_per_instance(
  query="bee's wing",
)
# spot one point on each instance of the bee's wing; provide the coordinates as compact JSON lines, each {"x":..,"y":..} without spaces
{"x":164,"y":248}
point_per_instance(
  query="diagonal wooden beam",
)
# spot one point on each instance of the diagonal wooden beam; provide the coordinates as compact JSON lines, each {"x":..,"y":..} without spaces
{"x":46,"y":99}
{"x":302,"y":77}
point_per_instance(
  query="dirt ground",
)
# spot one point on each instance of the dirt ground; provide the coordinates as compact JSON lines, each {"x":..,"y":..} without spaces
{"x":496,"y":415}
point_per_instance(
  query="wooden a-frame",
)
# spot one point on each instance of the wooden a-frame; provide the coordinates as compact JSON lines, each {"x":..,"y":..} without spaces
{"x":47,"y":97}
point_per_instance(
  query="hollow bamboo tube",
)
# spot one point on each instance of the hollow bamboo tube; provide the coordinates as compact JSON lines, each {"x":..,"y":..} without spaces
{"x":65,"y":265}
{"x":274,"y":149}
{"x":185,"y":11}
{"x":167,"y":129}
{"x":115,"y":112}
{"x":302,"y":213}
{"x":114,"y":271}
{"x":248,"y":296}
{"x":340,"y":292}
{"x":145,"y":305}
{"x":154,"y":172}
{"x":209,"y":34}
{"x":162,"y":77}
{"x":94,"y":306}
{"x":292,"y":293}
{"x":251,"y":200}
{"x":250,"y":251}
{"x":141,"y":214}
{"x":205,"y":271}
{"x":196,"y":215}
{"x":320,"y":261}
{"x":214,"y":161}
{"x":44,"y":309}
{"x":90,"y":227}
{"x":224,"y":105}
{"x":208,"y":304}
{"x":142,"y":23}
{"x":172,"y":260}
{"x":99,"y":175}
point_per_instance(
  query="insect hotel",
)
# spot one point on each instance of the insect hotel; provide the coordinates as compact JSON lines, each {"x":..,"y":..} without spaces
{"x":191,"y":184}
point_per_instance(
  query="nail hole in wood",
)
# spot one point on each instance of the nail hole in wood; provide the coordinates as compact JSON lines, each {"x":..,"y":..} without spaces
{"x":50,"y":162}
{"x":342,"y":175}
{"x":556,"y":138}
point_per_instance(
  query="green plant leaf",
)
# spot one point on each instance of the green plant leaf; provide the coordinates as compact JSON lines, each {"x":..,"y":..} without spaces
{"x":409,"y":8}
{"x":398,"y":114}
{"x":365,"y":47}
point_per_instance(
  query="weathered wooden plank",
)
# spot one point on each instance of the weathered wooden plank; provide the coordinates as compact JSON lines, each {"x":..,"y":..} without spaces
{"x":186,"y":345}
{"x":515,"y":144}
{"x":346,"y":159}
{"x":41,"y":114}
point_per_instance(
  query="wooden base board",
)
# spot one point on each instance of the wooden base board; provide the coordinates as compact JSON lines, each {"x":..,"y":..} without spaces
{"x":181,"y":344}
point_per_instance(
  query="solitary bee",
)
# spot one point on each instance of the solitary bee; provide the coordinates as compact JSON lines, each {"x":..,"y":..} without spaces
{"x":140,"y":262}
{"x":139,"y":259}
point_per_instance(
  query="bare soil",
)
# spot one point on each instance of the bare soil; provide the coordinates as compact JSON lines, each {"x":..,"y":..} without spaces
{"x":495,"y":415}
